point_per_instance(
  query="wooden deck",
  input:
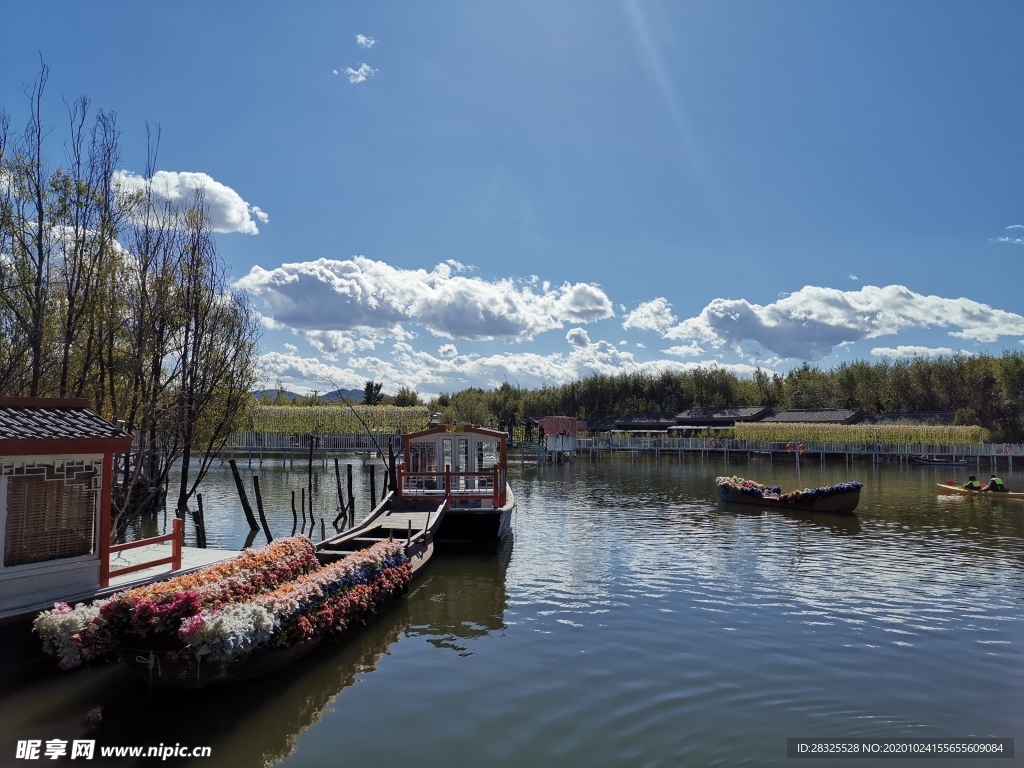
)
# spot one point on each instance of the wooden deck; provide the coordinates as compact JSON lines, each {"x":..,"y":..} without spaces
{"x":29,"y":603}
{"x":191,"y":559}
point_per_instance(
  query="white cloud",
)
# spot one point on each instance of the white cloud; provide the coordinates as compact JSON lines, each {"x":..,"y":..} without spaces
{"x":577,"y":337}
{"x":448,"y":351}
{"x":360,"y":293}
{"x":303,"y":374}
{"x":335,"y":71}
{"x":688,"y":350}
{"x":360,"y":75}
{"x":427,"y":373}
{"x":1011,"y":240}
{"x":1016,"y":226}
{"x":364,"y":41}
{"x":811,"y":322}
{"x":854,"y":277}
{"x":228,"y":211}
{"x":654,"y":315}
{"x":911,"y":351}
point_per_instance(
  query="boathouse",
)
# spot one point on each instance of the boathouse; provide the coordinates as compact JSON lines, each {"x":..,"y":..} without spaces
{"x":56,"y":468}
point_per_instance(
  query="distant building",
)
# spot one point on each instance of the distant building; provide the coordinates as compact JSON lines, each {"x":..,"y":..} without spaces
{"x":721,"y":417}
{"x":817,"y":416}
{"x":645,"y":422}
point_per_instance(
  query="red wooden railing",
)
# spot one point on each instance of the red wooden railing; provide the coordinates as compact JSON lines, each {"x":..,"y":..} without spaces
{"x":495,"y":494}
{"x":176,"y":537}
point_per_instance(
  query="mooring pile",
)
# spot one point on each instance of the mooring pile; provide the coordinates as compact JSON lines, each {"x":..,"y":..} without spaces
{"x":272,"y":597}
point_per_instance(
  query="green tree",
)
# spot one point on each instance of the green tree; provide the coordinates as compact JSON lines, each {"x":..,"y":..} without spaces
{"x":372,"y":393}
{"x":406,"y":397}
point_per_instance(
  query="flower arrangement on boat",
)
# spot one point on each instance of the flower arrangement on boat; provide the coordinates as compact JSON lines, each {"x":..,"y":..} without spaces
{"x":328,"y":600}
{"x":272,"y":596}
{"x":750,"y":488}
{"x":807,"y":494}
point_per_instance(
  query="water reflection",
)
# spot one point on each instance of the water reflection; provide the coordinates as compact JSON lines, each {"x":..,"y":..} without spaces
{"x":842,"y":525}
{"x":462,"y":597}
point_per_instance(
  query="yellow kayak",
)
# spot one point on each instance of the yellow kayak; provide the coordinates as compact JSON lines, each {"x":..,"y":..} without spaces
{"x":950,"y":487}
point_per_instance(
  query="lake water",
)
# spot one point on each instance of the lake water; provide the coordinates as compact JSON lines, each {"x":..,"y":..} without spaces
{"x":630,"y":620}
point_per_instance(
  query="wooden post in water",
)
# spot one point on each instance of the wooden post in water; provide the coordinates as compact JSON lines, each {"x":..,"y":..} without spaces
{"x":295,"y":515}
{"x":199,"y":518}
{"x":259,"y":506}
{"x":373,"y":486}
{"x":303,"y":509}
{"x":309,"y":478}
{"x":242,"y":497}
{"x":323,"y":530}
{"x":351,"y":498}
{"x":342,"y":509}
{"x":392,"y":472}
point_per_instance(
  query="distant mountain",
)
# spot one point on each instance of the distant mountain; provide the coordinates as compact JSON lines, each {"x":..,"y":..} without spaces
{"x":352,"y":395}
{"x":270,"y":394}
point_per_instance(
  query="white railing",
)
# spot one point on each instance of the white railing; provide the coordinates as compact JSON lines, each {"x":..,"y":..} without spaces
{"x":709,"y":444}
{"x":297,"y":443}
{"x":284,"y":441}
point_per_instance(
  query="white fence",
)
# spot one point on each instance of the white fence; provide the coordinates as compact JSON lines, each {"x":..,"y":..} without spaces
{"x":719,"y":445}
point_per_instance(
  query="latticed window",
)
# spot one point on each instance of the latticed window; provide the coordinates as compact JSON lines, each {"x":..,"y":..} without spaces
{"x":50,"y":510}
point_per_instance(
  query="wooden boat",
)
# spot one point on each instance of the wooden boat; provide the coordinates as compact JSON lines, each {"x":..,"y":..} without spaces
{"x":950,"y":487}
{"x":170,"y":668}
{"x":167,"y":669}
{"x":468,"y":466}
{"x":931,"y":461}
{"x":389,"y":522}
{"x":837,"y":500}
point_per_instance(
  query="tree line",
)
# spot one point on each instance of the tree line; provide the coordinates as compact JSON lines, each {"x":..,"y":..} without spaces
{"x":119,"y":297}
{"x":981,"y":390}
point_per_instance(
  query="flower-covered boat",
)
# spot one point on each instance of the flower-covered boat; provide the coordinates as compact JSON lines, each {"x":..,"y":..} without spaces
{"x":243,"y":617}
{"x":842,"y":498}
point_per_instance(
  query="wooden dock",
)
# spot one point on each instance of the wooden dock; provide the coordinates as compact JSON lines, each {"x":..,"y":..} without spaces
{"x":192,"y":558}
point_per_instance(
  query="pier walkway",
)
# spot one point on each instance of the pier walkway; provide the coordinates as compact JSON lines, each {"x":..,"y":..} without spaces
{"x":290,"y":449}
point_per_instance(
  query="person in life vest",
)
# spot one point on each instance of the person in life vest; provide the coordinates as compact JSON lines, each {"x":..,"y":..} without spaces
{"x":995,"y":484}
{"x":972,"y":484}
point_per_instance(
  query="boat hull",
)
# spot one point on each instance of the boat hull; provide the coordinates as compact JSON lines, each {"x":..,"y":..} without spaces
{"x":470,"y":526}
{"x":164,"y":669}
{"x":940,"y":462}
{"x":838,"y":504}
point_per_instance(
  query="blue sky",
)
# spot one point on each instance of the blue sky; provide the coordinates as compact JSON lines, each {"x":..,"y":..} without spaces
{"x":452,"y":194}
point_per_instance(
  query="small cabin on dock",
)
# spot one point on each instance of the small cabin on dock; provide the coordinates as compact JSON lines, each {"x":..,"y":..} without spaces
{"x":56,"y":466}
